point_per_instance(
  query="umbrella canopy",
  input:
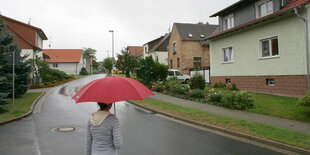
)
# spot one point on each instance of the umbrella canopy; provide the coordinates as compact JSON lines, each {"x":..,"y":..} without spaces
{"x":112,"y":89}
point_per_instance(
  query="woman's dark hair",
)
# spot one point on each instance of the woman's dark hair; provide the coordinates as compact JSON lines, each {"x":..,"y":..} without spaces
{"x":102,"y":106}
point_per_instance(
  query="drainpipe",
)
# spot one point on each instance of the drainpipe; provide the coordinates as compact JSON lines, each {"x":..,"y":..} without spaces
{"x":307,"y":44}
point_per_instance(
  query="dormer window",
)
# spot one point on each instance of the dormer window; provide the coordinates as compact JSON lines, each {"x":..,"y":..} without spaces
{"x":263,"y":8}
{"x":202,"y":35}
{"x":228,"y":22}
{"x":190,"y":35}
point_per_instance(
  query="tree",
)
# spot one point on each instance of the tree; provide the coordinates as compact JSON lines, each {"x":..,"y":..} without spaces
{"x":145,"y":69}
{"x":107,"y":64}
{"x":96,"y":66}
{"x":89,"y":53}
{"x":22,"y":67}
{"x":126,"y":62}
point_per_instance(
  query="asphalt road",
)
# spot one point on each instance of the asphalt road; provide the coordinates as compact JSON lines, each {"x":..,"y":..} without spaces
{"x":143,"y":132}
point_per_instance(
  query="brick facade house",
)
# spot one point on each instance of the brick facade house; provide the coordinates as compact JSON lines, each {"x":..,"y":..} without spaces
{"x":186,"y":48}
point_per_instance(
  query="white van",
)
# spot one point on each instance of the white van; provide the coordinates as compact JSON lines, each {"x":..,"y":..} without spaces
{"x":182,"y":78}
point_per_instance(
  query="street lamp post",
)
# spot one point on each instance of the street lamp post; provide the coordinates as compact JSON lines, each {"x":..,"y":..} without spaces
{"x":113,"y":60}
{"x":112,"y":51}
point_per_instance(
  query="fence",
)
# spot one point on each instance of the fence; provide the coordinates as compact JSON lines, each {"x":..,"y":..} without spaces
{"x":205,"y":72}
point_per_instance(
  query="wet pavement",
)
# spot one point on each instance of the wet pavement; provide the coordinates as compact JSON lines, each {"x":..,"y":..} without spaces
{"x":49,"y":131}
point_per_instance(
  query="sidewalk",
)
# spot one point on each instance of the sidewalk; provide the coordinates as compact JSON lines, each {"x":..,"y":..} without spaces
{"x":237,"y":114}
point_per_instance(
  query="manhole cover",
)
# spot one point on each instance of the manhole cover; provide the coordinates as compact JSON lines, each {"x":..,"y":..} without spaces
{"x":66,"y":129}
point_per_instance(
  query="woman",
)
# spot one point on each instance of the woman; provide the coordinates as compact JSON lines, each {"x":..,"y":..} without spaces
{"x":103,"y":132}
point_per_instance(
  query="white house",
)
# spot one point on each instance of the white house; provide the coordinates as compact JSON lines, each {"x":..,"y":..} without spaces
{"x":68,"y":60}
{"x":157,"y":48}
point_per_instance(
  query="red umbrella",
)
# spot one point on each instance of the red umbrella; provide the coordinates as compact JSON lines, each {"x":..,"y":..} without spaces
{"x":112,"y":89}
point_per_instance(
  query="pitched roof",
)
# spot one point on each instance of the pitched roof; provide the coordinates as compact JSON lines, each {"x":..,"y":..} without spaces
{"x":159,"y":44}
{"x":288,"y":8}
{"x":135,"y":51}
{"x":22,"y":30}
{"x":195,"y":32}
{"x":63,"y":55}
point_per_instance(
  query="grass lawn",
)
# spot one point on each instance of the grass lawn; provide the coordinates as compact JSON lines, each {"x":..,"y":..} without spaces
{"x":256,"y":129}
{"x":279,"y":106}
{"x":22,"y":106}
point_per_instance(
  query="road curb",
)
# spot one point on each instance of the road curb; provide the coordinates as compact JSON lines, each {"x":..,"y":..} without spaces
{"x":26,"y":114}
{"x":231,"y":132}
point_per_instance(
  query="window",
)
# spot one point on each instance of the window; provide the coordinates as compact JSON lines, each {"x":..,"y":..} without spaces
{"x":228,"y":22}
{"x":202,"y":35}
{"x":178,"y":62}
{"x":270,"y":82}
{"x":228,"y":54}
{"x":197,"y":61}
{"x":190,"y":35}
{"x":174,"y":48}
{"x":228,"y":81}
{"x":269,"y":47}
{"x":145,"y":49}
{"x":170,"y":73}
{"x":177,"y":73}
{"x":264,"y":7}
{"x":55,"y":65}
{"x":37,"y":39}
{"x":171,"y":64}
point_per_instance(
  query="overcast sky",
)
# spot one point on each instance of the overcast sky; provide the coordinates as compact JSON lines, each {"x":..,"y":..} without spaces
{"x":74,"y":24}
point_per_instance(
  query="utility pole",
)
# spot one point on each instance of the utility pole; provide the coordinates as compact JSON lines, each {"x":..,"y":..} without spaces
{"x":13,"y":95}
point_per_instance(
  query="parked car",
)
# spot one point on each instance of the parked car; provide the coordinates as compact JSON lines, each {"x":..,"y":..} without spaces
{"x":182,"y":77}
{"x":116,"y":71}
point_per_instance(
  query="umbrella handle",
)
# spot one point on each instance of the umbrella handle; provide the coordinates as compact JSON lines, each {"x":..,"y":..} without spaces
{"x":114,"y":109}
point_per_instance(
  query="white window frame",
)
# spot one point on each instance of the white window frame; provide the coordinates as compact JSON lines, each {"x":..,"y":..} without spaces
{"x":55,"y":65}
{"x":270,"y":48}
{"x":270,"y":82}
{"x":174,"y":47}
{"x":264,"y":2}
{"x":229,"y":18}
{"x":230,"y":56}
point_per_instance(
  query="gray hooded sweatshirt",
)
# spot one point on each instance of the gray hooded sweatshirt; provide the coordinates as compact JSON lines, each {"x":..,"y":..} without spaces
{"x":103,"y":134}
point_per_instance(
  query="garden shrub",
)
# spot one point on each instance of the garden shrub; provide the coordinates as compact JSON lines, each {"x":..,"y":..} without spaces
{"x":219,"y":85}
{"x":83,"y":71}
{"x":181,"y":89}
{"x":240,"y":100}
{"x":305,"y":100}
{"x":3,"y":102}
{"x":197,"y":82}
{"x":214,"y":96}
{"x":233,"y":87}
{"x":159,"y":86}
{"x":196,"y":94}
{"x":160,"y":71}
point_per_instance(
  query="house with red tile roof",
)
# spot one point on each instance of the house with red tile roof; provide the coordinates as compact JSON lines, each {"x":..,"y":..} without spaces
{"x":136,"y":51}
{"x":262,"y":46}
{"x":29,"y":38}
{"x":68,"y":60}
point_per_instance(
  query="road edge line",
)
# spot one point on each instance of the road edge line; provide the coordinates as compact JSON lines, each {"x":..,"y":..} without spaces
{"x":231,"y":132}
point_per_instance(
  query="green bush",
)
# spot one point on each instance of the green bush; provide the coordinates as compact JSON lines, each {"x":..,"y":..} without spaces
{"x":196,"y":94}
{"x":3,"y":102}
{"x":240,"y":100}
{"x":233,"y":87}
{"x":219,"y":85}
{"x":214,"y":96}
{"x":160,"y":71}
{"x":305,"y":100}
{"x":178,"y":88}
{"x":83,"y":71}
{"x":159,"y":86}
{"x":197,"y":82}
